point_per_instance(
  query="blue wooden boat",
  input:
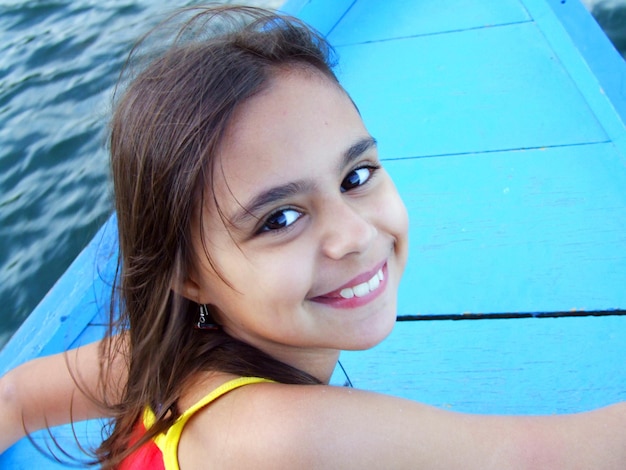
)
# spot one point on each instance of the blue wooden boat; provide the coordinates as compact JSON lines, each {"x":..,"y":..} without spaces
{"x":503,"y":125}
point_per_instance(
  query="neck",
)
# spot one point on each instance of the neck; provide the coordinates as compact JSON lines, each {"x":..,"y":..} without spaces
{"x":318,"y":363}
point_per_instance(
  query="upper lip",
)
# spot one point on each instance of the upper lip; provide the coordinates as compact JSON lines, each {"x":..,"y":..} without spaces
{"x":361,"y":278}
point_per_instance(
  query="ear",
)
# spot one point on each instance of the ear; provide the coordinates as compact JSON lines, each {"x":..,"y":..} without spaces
{"x":188,"y":289}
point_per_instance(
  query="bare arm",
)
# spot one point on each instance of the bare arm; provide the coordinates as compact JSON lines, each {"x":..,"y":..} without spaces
{"x":326,"y":427}
{"x":54,"y":390}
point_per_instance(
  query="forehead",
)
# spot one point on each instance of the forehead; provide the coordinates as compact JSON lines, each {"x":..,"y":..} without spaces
{"x":301,"y":121}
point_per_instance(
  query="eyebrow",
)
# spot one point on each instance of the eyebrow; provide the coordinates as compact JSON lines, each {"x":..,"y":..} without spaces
{"x":284,"y":191}
{"x":357,"y":149}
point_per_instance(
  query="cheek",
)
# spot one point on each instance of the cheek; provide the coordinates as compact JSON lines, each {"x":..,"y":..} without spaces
{"x":393,"y":212}
{"x":262,"y":279}
{"x":394,"y":221}
{"x":267,"y":297}
{"x":283,"y":275}
{"x":400,"y":216}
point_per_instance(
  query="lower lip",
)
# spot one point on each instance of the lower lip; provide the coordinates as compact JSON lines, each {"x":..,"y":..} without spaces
{"x":354,"y":302}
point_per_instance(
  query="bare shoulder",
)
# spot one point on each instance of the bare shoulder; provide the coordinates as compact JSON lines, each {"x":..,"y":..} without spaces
{"x":284,"y":426}
{"x":276,"y":426}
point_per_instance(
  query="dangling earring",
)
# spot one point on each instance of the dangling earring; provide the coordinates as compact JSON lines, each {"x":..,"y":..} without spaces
{"x":204,"y":321}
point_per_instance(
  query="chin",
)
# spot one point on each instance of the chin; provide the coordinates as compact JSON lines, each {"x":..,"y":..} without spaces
{"x":371,"y":335}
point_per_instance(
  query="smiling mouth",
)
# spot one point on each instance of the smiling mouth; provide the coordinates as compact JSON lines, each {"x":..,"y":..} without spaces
{"x":361,"y":290}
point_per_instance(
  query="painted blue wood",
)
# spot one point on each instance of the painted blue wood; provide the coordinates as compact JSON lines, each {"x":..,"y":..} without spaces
{"x":480,"y":247}
{"x":594,"y":47}
{"x":521,"y":366}
{"x":321,"y":14}
{"x":471,"y":91}
{"x":525,"y":231}
{"x":591,"y":61}
{"x":373,"y":20}
{"x":26,"y":456}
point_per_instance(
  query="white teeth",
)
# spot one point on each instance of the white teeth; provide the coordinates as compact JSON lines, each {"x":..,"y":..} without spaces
{"x":346,"y":293}
{"x":373,"y":283}
{"x":364,"y":288}
{"x":361,"y":290}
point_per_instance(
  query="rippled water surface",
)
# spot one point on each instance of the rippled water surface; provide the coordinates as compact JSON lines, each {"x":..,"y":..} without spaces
{"x":58,"y":63}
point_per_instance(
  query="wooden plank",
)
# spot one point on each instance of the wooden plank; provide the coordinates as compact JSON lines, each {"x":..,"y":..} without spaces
{"x":526,"y":231}
{"x":592,"y":61}
{"x":373,"y":20}
{"x":26,"y":456}
{"x":323,"y":15}
{"x":521,"y":366}
{"x":469,"y":91}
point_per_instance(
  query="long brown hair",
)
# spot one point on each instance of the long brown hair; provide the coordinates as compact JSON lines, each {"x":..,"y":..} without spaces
{"x":165,"y":131}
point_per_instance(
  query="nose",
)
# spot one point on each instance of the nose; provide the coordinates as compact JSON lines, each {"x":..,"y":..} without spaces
{"x":345,"y":230}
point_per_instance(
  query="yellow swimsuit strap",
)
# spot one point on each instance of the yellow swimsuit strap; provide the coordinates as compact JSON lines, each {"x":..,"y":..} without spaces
{"x":168,"y":442}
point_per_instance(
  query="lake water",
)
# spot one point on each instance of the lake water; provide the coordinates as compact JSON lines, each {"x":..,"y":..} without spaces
{"x":58,"y":62}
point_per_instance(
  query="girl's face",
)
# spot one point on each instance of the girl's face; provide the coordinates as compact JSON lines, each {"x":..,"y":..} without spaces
{"x":313,"y":235}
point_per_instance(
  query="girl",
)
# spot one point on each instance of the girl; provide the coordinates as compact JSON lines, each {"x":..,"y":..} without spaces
{"x":259,"y":236}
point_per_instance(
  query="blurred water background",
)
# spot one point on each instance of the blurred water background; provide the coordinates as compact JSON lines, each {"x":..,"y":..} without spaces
{"x":59,"y":60}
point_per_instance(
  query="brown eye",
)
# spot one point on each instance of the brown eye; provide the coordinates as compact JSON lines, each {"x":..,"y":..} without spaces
{"x":280,"y":219}
{"x":356,"y":178}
